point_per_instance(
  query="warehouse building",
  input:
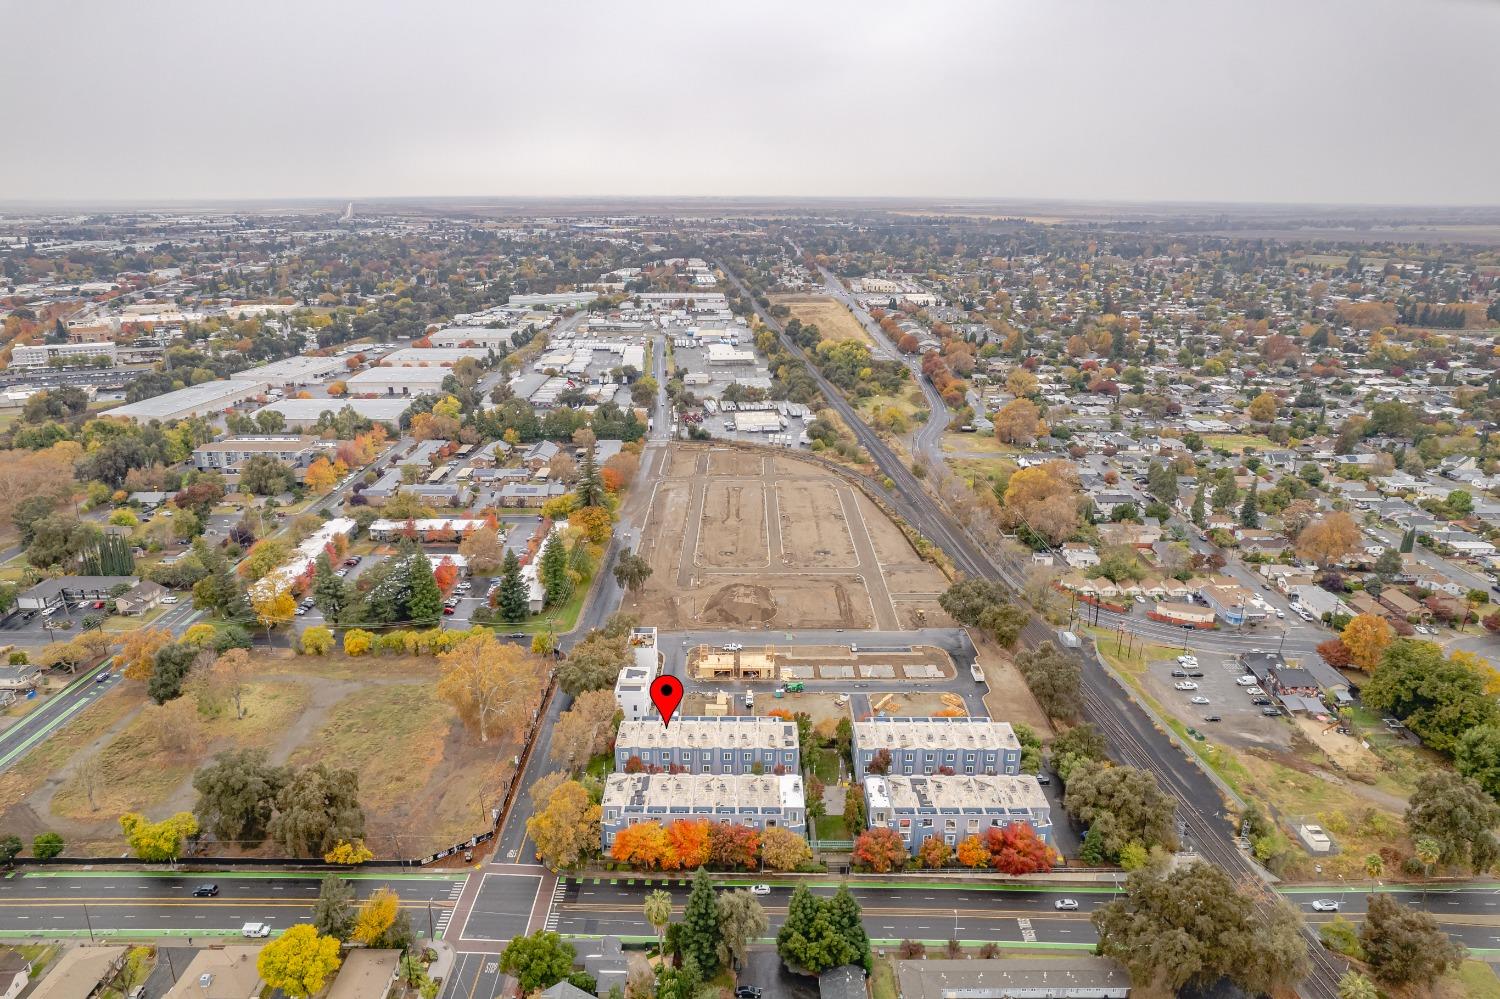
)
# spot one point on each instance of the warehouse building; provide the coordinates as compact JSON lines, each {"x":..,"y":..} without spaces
{"x":702,"y":745}
{"x":954,"y":808}
{"x":303,"y":413}
{"x":208,"y":399}
{"x":758,"y":801}
{"x":927,"y":746}
{"x":401,"y":382}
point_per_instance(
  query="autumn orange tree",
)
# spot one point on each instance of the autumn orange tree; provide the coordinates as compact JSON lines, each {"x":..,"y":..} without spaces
{"x":320,"y":476}
{"x":687,"y":844}
{"x":1017,"y":849}
{"x":783,"y":850}
{"x":1043,"y":498}
{"x":1018,"y":422}
{"x":732,"y":846}
{"x":879,"y":850}
{"x":1329,"y":538}
{"x":493,"y":685}
{"x":972,"y":852}
{"x":934,"y":853}
{"x":643,"y":845}
{"x":445,"y":575}
{"x":138,"y":651}
{"x":1366,"y":637}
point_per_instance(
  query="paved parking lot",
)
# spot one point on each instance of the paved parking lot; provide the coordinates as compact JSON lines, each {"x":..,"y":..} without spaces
{"x":1241,"y":721}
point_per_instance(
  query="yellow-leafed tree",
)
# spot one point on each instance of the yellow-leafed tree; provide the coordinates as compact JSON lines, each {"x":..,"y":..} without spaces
{"x":1366,"y":637}
{"x":299,"y":962}
{"x":492,"y":684}
{"x":376,"y":915}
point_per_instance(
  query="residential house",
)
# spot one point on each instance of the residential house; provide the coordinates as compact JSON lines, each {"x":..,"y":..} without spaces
{"x":1079,"y":555}
{"x":1401,"y":605}
{"x":954,"y":808}
{"x":140,"y":598}
{"x":15,"y":973}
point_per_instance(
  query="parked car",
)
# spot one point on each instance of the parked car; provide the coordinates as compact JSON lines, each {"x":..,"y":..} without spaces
{"x":1197,"y":674}
{"x":1187,"y":660}
{"x":1261,"y":701}
{"x":1254,"y":691}
{"x":1198,"y":700}
{"x":1185,"y":685}
{"x":1043,"y":779}
{"x":1180,"y":672}
{"x":1246,"y":681}
{"x":1271,"y":712}
{"x":1209,"y":718}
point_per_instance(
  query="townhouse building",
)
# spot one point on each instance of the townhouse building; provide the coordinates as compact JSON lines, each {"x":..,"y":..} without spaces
{"x":704,"y":745}
{"x":954,"y":808}
{"x":928,"y":746}
{"x":756,"y":800}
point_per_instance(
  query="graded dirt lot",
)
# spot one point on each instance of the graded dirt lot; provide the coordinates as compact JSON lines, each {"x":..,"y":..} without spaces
{"x":833,"y":321}
{"x":738,"y":539}
{"x":421,"y":771}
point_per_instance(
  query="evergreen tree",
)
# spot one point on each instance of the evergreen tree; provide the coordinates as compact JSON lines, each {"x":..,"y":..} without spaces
{"x":843,"y":911}
{"x":590,"y":491}
{"x":553,"y":572}
{"x":1408,"y":541}
{"x":333,"y":913}
{"x":1250,"y":511}
{"x":512,"y":601}
{"x":700,"y":925}
{"x":1224,"y":494}
{"x":1200,"y":517}
{"x":424,"y":601}
{"x":328,"y":589}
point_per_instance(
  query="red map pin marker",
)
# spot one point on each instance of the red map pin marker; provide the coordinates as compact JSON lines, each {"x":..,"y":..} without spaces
{"x":666,"y":694}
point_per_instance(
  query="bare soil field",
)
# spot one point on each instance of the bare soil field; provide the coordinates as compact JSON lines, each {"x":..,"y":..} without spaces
{"x":813,"y":531}
{"x":835,"y":560}
{"x":733,"y":534}
{"x":421,"y":772}
{"x":828,"y":314}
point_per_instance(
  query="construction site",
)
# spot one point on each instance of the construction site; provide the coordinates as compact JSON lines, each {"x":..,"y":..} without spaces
{"x":797,"y":665}
{"x":740,"y":539}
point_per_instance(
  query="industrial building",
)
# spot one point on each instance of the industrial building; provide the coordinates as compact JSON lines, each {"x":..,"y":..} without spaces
{"x":403,"y":382}
{"x":932,"y":745}
{"x":41,"y":355}
{"x":207,"y":399}
{"x":701,"y":745}
{"x":758,"y":801}
{"x":954,"y":808}
{"x":302,"y":413}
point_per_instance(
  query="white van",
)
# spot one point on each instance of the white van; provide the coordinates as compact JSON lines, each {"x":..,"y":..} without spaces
{"x":255,"y":930}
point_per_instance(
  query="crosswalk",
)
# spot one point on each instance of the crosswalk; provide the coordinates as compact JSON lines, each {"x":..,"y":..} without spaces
{"x":444,"y":916}
{"x":559,"y":891}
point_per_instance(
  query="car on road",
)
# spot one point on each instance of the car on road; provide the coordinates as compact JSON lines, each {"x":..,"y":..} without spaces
{"x":748,"y":992}
{"x":732,"y":647}
{"x":170,"y":599}
{"x":1325,"y":905}
{"x":448,"y":611}
{"x":1280,"y":614}
{"x":1198,"y":700}
{"x":760,"y":889}
{"x":1043,"y":779}
{"x":255,"y":930}
{"x":300,"y":611}
{"x":1185,"y":685}
{"x":207,"y":890}
{"x":1246,"y":681}
{"x":1065,"y":904}
{"x":1209,"y":718}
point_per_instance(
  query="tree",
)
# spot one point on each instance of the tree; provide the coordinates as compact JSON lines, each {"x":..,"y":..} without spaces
{"x":138,"y":651}
{"x":333,"y":913}
{"x":492,"y":684}
{"x":658,"y":912}
{"x":854,"y":809}
{"x":425,"y":599}
{"x":1017,"y":849}
{"x":566,"y":828}
{"x":809,"y":938}
{"x":321,"y":476}
{"x":1457,"y":814}
{"x":273,"y":607}
{"x":732,"y":846}
{"x":687,"y":844}
{"x":593,"y":664}
{"x":231,"y":673}
{"x":358,"y":642}
{"x":589,"y":490}
{"x":263,"y":475}
{"x":631,"y":570}
{"x":1477,"y":756}
{"x":1119,"y":805}
{"x":537,"y":961}
{"x":1335,"y":653}
{"x":643,"y":845}
{"x":1389,"y":565}
{"x":1192,"y":925}
{"x":1405,"y":946}
{"x":512,"y":600}
{"x":699,"y":940}
{"x":315,"y":809}
{"x":1079,"y":744}
{"x":376,"y":916}
{"x":1053,"y":677}
{"x":158,"y":841}
{"x":1366,"y":637}
{"x":1353,"y":985}
{"x":972,"y":852}
{"x":482,"y":550}
{"x":879,"y":850}
{"x":585,"y":729}
{"x":1018,"y":422}
{"x":1250,"y":511}
{"x":593,"y":521}
{"x":934,"y":853}
{"x":329,"y":592}
{"x":1044,"y":500}
{"x":46,"y":845}
{"x":552,"y":572}
{"x":1199,"y":512}
{"x":237,"y":795}
{"x":316,"y":641}
{"x":299,"y":962}
{"x":1439,"y":699}
{"x":1328,"y":538}
{"x":783,"y":850}
{"x":742,"y":921}
{"x":1262,"y":408}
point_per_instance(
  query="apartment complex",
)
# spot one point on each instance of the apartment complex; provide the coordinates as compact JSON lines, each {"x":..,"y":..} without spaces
{"x":43,"y":354}
{"x":937,"y":745}
{"x":760,"y":801}
{"x":231,"y":454}
{"x":695,"y":745}
{"x":918,"y":808}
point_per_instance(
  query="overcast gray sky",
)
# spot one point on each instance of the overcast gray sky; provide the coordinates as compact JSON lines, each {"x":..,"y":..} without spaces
{"x":1240,"y":100}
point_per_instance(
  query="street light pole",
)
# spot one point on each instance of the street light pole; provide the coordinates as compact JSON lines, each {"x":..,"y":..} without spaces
{"x":88,"y":922}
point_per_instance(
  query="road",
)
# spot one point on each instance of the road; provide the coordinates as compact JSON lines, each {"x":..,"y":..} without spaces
{"x":82,"y":902}
{"x":54,"y":711}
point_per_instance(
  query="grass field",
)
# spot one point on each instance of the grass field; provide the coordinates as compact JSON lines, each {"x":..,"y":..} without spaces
{"x":1236,"y":443}
{"x":829,"y":315}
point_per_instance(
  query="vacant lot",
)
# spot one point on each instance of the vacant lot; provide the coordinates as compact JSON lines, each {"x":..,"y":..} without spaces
{"x":833,"y":321}
{"x":739,"y":539}
{"x":425,"y":780}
